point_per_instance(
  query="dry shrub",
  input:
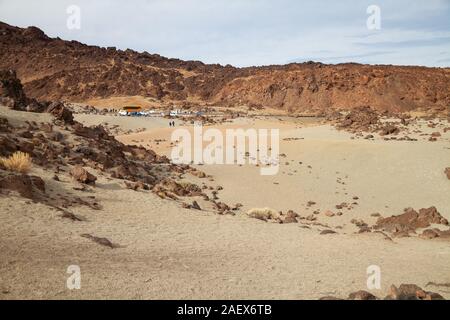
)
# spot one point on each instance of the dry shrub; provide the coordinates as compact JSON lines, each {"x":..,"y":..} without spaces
{"x":263,"y":213}
{"x":18,"y":162}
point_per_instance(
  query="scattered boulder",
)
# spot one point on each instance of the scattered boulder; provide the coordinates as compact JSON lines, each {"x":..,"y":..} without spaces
{"x":82,"y":175}
{"x":359,"y":223}
{"x":102,"y":241}
{"x":237,"y":206}
{"x":403,"y":292}
{"x":11,"y":90}
{"x":329,"y":213}
{"x":447,"y":172}
{"x":359,"y":119}
{"x":4,"y":125}
{"x":342,"y":205}
{"x":289,"y":217}
{"x":410,"y":221}
{"x":375,"y":214}
{"x":27,"y":186}
{"x":198,"y":174}
{"x":60,"y":112}
{"x":361,"y":295}
{"x":221,"y":207}
{"x":179,"y":189}
{"x":34,"y":106}
{"x":411,"y":292}
{"x":184,"y":205}
{"x":310,"y":203}
{"x":7,"y":146}
{"x":120,"y":172}
{"x":136,"y":185}
{"x":388,"y":130}
{"x":435,"y":233}
{"x":69,"y":215}
{"x":429,"y":234}
{"x":327,"y":231}
{"x":195,"y":205}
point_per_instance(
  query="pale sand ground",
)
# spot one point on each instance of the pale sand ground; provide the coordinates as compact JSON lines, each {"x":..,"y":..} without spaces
{"x":170,"y":253}
{"x":126,"y":123}
{"x":387,"y":176}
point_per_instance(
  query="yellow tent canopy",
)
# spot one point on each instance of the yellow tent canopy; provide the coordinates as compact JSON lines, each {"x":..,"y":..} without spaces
{"x":132,"y":108}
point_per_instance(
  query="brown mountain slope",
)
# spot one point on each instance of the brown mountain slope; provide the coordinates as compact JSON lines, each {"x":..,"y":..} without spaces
{"x":52,"y":69}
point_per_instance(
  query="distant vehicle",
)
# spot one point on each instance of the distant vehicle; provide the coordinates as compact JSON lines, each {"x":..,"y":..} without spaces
{"x":148,"y":112}
{"x":179,"y":113}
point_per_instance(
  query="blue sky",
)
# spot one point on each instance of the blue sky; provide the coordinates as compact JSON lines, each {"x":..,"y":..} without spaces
{"x":251,"y":32}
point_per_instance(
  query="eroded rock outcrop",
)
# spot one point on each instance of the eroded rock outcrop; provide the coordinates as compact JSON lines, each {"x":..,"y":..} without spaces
{"x":403,"y":292}
{"x":31,"y":187}
{"x":82,"y":175}
{"x":53,"y":69}
{"x":411,"y":220}
{"x":360,"y":119}
{"x":64,"y":142}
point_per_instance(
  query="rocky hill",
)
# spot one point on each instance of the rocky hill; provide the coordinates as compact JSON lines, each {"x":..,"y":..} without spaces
{"x":54,"y":69}
{"x":65,"y":147}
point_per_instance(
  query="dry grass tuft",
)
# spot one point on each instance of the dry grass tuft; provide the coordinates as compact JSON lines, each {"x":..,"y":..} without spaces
{"x":18,"y":162}
{"x":263,"y":213}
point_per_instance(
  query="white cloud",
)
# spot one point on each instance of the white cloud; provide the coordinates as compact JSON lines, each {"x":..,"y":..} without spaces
{"x":250,"y":32}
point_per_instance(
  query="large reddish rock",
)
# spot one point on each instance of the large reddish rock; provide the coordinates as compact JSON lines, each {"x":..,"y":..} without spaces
{"x":362,"y":118}
{"x":403,"y":292}
{"x":82,"y":175}
{"x":11,"y":91}
{"x":12,"y":94}
{"x":60,"y":112}
{"x":389,"y":129}
{"x":27,"y":186}
{"x":7,"y":146}
{"x":179,"y":189}
{"x":429,"y":234}
{"x":121,"y":172}
{"x":411,"y":292}
{"x":361,"y":295}
{"x":411,"y":220}
{"x":143,"y":154}
{"x":4,"y":125}
{"x":96,"y":132}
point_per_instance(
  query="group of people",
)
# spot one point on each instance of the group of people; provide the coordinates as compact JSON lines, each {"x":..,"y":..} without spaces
{"x":172,"y":124}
